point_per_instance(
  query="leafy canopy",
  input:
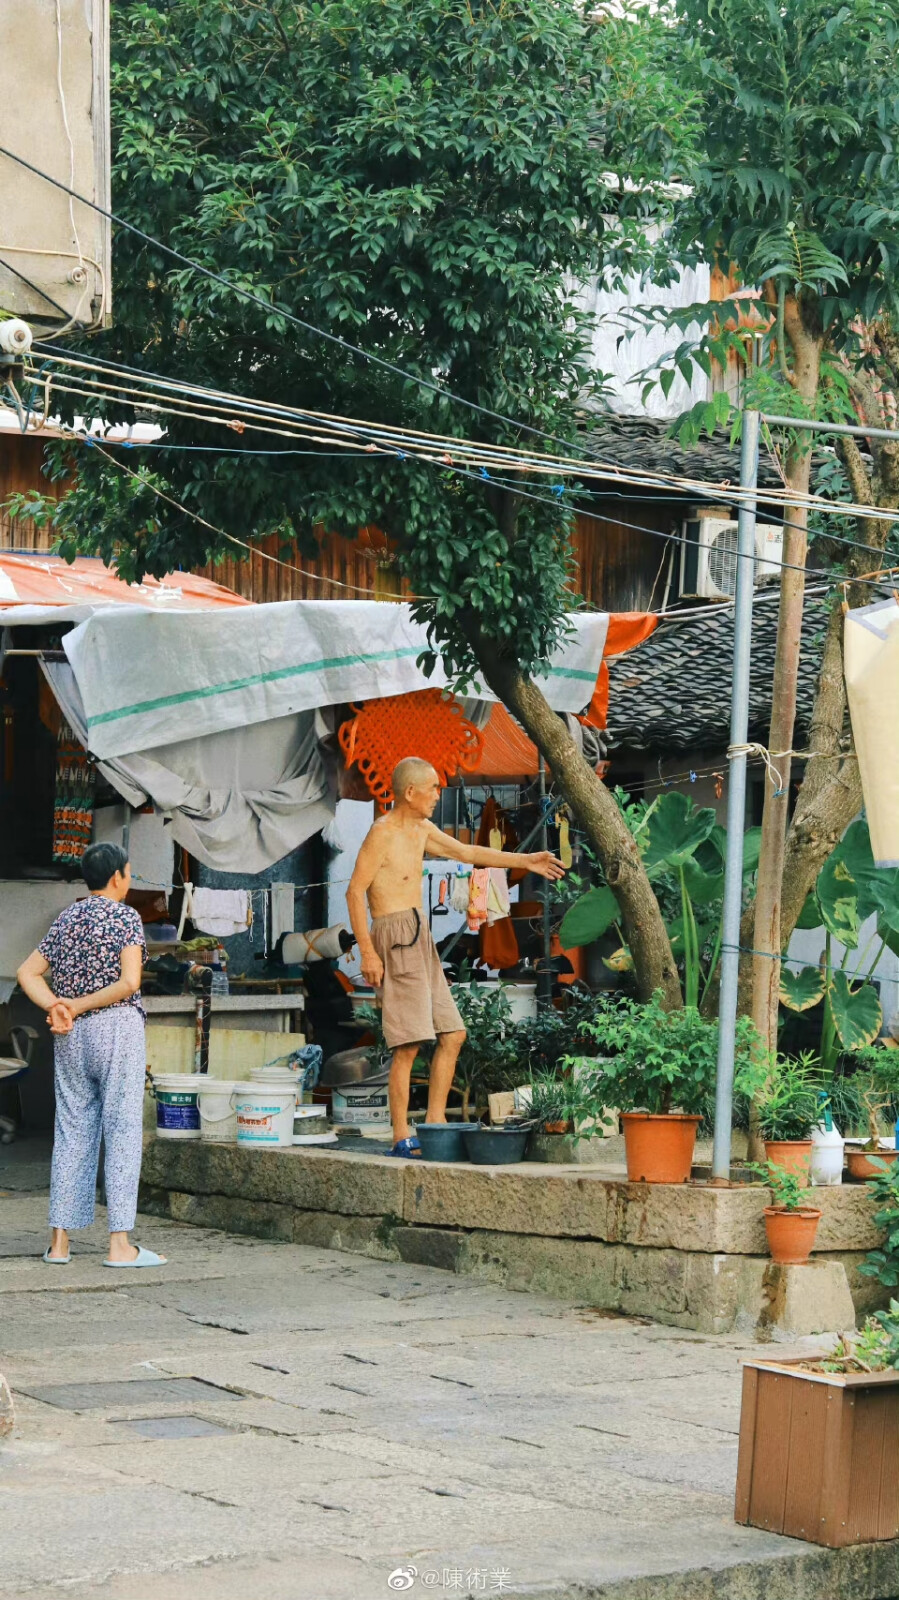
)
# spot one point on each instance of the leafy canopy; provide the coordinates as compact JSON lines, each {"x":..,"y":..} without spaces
{"x":429,"y":180}
{"x":797,"y":183}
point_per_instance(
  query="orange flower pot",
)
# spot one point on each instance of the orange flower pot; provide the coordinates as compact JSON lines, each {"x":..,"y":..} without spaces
{"x":659,"y":1149}
{"x":791,"y":1155}
{"x":791,"y":1234}
{"x":861,"y":1162}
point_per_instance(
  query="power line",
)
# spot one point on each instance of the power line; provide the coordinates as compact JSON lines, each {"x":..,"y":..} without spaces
{"x":391,"y":438}
{"x":270,"y":306}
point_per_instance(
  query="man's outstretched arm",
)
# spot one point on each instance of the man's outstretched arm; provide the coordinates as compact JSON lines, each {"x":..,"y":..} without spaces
{"x":543,"y":862}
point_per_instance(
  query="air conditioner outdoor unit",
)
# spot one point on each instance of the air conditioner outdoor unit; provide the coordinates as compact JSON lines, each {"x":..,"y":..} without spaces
{"x":708,"y":565}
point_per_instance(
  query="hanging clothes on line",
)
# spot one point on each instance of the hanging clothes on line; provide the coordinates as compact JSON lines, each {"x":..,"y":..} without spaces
{"x":222,"y":912}
{"x":73,"y":807}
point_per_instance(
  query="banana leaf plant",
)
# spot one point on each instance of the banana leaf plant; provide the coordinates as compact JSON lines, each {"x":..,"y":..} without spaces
{"x":849,"y":890}
{"x":683,"y":849}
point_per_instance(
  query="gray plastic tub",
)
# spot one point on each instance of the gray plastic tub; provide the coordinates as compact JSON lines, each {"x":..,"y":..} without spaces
{"x":495,"y":1147}
{"x":441,"y":1141}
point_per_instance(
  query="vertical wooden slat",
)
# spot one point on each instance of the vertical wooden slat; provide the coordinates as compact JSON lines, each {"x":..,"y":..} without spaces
{"x":747,"y":1444}
{"x":888,"y":1507}
{"x":839,"y":1426}
{"x":772,"y":1443}
{"x":806,"y":1460}
{"x":867,"y":1455}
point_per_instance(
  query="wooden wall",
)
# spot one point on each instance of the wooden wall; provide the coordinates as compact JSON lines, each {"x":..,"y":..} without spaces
{"x":21,"y":457}
{"x":619,"y":568}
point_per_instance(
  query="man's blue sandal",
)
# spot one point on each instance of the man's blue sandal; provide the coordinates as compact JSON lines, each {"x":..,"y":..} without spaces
{"x":144,"y":1258}
{"x":407,"y":1147}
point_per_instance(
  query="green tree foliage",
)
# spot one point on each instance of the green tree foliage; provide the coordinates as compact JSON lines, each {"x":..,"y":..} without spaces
{"x":428,"y":181}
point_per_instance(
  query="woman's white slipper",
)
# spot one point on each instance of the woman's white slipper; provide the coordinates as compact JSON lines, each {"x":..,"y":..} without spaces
{"x":56,"y":1261}
{"x":144,"y":1258}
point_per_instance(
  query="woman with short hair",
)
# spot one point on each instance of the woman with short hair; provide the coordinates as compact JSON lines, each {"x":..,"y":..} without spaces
{"x":94,"y":953}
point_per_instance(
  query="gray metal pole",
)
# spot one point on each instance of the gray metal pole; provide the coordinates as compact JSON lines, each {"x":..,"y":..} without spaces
{"x":544,"y":975}
{"x":736,"y":803}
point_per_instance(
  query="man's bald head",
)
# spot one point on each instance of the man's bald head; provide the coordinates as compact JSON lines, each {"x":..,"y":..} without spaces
{"x":411,"y":773}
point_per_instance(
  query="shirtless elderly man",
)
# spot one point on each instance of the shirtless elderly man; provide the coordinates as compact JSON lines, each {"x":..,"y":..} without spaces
{"x":398,"y":955}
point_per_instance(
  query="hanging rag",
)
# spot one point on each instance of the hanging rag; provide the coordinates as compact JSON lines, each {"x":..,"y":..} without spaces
{"x":460,"y":894}
{"x":498,"y":902}
{"x":282,"y":913}
{"x":478,"y":886}
{"x":223,"y":912}
{"x":499,"y":945}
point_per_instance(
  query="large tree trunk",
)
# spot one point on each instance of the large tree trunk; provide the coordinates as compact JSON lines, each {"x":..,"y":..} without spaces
{"x":598,"y":815}
{"x":767,"y":938}
{"x":831,"y":793}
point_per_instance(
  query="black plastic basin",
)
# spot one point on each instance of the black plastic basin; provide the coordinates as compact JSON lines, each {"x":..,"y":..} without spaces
{"x":441,"y":1141}
{"x":495,"y":1147}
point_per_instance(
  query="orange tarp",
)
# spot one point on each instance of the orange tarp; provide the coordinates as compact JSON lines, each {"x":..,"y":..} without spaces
{"x":38,"y":580}
{"x":507,"y":750}
{"x":627,"y":629}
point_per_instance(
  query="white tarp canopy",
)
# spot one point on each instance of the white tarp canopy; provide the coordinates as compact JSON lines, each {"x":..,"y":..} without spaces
{"x":217,"y":717}
{"x":147,"y":678}
{"x":871,"y":656}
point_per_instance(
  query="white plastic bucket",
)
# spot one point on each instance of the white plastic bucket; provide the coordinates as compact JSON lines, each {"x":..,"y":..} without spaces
{"x":177,"y":1113}
{"x":355,"y":1105}
{"x":275,"y":1074}
{"x":218,"y":1111}
{"x":265,"y":1115}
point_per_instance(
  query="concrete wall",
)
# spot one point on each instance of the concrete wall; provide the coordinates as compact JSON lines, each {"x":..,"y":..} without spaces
{"x":50,"y":240}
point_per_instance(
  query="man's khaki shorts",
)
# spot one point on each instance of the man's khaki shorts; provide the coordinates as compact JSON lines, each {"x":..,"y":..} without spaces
{"x":416,"y":1002}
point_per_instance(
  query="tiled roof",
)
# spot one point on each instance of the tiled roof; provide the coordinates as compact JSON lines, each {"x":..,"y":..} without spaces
{"x":645,"y":442}
{"x":672,"y":694}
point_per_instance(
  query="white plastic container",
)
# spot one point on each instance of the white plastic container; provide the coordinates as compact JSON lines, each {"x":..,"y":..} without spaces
{"x":177,"y":1112}
{"x":265,"y":1115}
{"x":356,"y":1105}
{"x":827,"y":1156}
{"x":217,"y":1105}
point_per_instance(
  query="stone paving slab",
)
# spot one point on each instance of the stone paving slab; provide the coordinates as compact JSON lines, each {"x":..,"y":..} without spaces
{"x":391,"y":1416}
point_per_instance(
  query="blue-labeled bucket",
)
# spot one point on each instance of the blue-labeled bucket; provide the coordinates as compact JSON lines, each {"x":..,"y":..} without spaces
{"x":177,"y":1112}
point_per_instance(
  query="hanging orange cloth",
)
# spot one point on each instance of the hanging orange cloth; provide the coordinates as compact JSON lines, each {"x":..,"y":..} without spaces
{"x":627,"y":629}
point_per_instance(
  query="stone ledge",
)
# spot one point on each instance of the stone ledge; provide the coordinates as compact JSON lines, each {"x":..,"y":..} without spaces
{"x":556,"y":1202}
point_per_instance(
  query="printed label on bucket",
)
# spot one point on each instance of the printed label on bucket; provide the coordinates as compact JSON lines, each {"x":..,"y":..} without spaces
{"x":178,"y":1111}
{"x":258,"y":1124}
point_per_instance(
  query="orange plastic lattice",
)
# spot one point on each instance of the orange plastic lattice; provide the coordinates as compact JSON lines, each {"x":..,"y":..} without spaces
{"x":429,"y":724}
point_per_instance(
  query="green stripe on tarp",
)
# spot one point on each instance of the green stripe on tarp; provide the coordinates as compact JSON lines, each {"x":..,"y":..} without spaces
{"x":143,"y":706}
{"x":249,"y":683}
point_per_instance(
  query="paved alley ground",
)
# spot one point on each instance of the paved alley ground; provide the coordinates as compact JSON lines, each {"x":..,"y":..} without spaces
{"x":349,"y":1429}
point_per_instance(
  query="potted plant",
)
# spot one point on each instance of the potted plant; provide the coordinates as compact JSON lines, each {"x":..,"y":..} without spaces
{"x":565,"y":1107}
{"x":875,"y":1089}
{"x":659,"y":1068}
{"x":788,"y":1107}
{"x":819,"y":1438}
{"x":790,"y":1224}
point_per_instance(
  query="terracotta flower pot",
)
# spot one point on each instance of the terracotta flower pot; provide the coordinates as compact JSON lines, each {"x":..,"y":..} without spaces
{"x":557,"y":1127}
{"x":791,"y":1155}
{"x":861,"y":1162}
{"x":659,"y":1149}
{"x":791,"y":1234}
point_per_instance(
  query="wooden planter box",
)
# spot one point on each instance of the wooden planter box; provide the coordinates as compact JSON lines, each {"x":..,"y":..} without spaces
{"x":819,"y":1454}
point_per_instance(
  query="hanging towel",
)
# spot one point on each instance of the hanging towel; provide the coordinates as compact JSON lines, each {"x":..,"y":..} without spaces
{"x":223,"y":912}
{"x":283,"y":916}
{"x":461,"y":889}
{"x":498,"y":902}
{"x":477,"y":897}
